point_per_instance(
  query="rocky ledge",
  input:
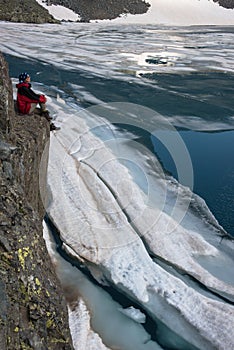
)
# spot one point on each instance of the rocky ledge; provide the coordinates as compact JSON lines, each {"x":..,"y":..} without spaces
{"x":228,"y":4}
{"x":33,"y":312}
{"x":26,"y":11}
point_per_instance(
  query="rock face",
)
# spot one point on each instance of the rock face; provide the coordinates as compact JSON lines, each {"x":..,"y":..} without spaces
{"x":229,"y":4}
{"x":102,"y":9}
{"x":27,"y":11}
{"x":33,"y":313}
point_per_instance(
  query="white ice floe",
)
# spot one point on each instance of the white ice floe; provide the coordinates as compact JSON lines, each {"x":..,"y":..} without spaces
{"x":106,"y":219}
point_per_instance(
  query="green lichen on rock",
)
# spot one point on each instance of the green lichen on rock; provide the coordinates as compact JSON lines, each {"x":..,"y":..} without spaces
{"x":33,"y":312}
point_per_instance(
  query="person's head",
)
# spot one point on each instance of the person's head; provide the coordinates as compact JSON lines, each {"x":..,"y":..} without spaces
{"x":24,"y":77}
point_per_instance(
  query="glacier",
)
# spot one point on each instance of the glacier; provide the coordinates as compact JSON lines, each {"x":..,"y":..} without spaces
{"x":126,"y":237}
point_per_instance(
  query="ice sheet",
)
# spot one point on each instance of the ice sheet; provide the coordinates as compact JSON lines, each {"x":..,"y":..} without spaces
{"x":104,"y":216}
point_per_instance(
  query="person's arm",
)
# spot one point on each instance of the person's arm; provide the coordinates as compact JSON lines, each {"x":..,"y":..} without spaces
{"x":29,"y":93}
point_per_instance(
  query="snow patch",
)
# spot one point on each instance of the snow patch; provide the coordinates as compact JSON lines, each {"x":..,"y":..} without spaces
{"x":60,"y":12}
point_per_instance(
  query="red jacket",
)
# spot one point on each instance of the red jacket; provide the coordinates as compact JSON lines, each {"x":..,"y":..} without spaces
{"x":26,"y":96}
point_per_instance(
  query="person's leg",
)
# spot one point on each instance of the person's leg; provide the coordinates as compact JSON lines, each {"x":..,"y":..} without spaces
{"x":43,"y":107}
{"x":44,"y":112}
{"x":33,"y":107}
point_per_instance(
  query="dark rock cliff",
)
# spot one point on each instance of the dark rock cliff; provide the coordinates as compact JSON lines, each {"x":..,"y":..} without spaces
{"x":229,"y":4}
{"x":27,"y":11}
{"x":33,"y":313}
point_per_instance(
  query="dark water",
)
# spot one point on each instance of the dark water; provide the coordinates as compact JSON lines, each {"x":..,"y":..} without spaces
{"x":213,"y":166}
{"x":204,"y":95}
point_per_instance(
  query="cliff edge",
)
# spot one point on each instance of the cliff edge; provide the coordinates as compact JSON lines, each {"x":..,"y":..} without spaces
{"x":33,"y":313}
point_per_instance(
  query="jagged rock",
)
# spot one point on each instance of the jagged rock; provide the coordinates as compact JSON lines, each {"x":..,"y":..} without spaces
{"x":33,"y":312}
{"x":229,"y":4}
{"x":27,"y":11}
{"x":6,"y":100}
{"x":6,"y":150}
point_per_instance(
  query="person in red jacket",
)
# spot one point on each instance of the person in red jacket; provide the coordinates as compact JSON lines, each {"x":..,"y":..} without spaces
{"x":27,"y":99}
